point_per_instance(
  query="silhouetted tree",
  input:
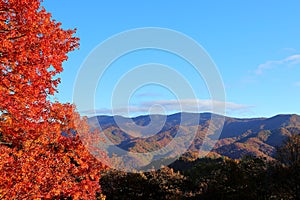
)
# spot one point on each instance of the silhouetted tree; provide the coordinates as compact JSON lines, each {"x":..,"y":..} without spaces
{"x":287,"y":171}
{"x":164,"y":184}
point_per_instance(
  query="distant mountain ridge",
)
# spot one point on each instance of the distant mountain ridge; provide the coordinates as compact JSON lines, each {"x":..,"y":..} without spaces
{"x":239,"y":137}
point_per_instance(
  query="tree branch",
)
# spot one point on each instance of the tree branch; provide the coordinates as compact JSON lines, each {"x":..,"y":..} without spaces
{"x":17,"y":37}
{"x":6,"y":143}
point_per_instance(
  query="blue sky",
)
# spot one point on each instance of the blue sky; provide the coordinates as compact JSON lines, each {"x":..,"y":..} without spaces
{"x":255,"y":45}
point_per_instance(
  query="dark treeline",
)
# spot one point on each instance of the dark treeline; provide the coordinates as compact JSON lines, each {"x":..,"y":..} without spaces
{"x":213,"y":178}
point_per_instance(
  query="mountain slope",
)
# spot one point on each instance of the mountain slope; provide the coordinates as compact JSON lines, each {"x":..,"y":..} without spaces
{"x":239,"y":137}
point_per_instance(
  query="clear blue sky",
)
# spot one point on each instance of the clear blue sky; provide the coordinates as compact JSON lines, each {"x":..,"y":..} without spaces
{"x":255,"y":45}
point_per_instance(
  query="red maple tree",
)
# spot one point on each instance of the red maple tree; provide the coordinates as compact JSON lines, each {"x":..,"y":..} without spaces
{"x":41,"y":154}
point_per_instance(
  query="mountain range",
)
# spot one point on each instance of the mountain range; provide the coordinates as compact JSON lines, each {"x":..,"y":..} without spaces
{"x":217,"y":134}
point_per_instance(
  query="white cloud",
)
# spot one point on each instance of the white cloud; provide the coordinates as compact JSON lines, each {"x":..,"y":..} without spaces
{"x":149,"y":94}
{"x":297,"y":84}
{"x":171,"y":106}
{"x":289,"y":49}
{"x":293,"y":60}
{"x":290,"y":60}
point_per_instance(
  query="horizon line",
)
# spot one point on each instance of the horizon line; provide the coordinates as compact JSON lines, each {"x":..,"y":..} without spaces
{"x":174,"y":113}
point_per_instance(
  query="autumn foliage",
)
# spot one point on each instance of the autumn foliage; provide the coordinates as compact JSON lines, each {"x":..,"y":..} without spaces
{"x":41,"y":155}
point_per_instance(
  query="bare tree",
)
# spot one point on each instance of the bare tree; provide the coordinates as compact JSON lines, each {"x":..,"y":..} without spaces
{"x":289,"y":153}
{"x":289,"y":169}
